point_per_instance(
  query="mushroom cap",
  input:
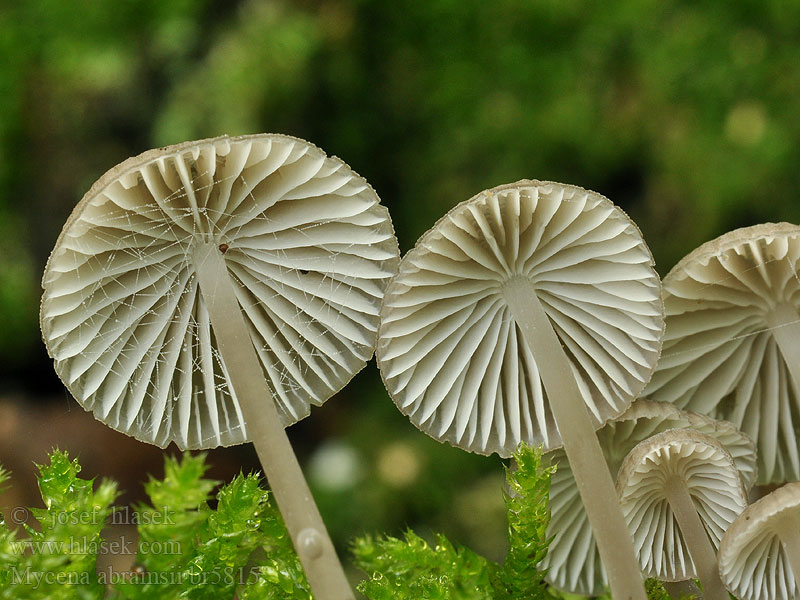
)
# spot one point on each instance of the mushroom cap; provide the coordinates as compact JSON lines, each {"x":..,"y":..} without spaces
{"x":737,"y":443}
{"x":306,"y":241}
{"x":713,"y":483}
{"x":449,"y":350}
{"x":752,"y":562}
{"x":719,"y":356}
{"x":572,"y":561}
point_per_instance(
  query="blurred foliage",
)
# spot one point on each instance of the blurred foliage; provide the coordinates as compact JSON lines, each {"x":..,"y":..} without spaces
{"x":683,"y":113}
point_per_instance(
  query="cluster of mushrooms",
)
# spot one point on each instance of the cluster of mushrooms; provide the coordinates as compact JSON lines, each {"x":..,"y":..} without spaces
{"x":209,"y":293}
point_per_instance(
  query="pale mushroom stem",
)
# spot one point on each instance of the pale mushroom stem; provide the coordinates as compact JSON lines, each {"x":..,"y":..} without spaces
{"x":309,"y":535}
{"x":592,"y":475}
{"x":697,"y":541}
{"x":787,"y":533}
{"x":785,"y":326}
{"x":681,"y":589}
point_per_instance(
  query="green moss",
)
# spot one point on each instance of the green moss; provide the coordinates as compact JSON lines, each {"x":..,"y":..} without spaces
{"x":411,"y":568}
{"x":241,"y":548}
{"x":186,"y":549}
{"x":58,"y":559}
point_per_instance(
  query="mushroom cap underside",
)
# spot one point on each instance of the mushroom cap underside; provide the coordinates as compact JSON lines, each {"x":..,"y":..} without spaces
{"x":451,"y":355}
{"x":726,"y":304}
{"x":306,"y":241}
{"x":573,"y":561}
{"x":700,"y":463}
{"x":752,"y":562}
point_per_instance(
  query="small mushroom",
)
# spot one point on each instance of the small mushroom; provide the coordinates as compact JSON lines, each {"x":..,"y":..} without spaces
{"x":572,"y":562}
{"x":759,"y":556}
{"x":732,"y":342}
{"x":679,"y":491}
{"x":209,"y":293}
{"x":530,"y":312}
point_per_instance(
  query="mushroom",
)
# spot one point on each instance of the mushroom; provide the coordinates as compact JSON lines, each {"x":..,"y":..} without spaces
{"x":759,"y":556}
{"x":529,"y":313}
{"x":732,"y":342}
{"x":679,"y":491}
{"x":208,"y":293}
{"x":572,"y":562}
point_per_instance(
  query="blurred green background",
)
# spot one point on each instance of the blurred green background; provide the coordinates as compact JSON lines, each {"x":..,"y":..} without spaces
{"x":686,"y":114}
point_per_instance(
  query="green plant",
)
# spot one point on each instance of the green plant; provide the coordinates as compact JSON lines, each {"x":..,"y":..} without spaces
{"x":59,"y":558}
{"x":411,"y":568}
{"x":186,"y":548}
{"x":233,"y":544}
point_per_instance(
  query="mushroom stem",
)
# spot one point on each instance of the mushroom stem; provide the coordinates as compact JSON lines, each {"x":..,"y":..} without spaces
{"x":681,"y":589}
{"x":309,"y":535}
{"x":787,"y":533}
{"x":697,"y":541}
{"x":583,"y":451}
{"x":784,"y":323}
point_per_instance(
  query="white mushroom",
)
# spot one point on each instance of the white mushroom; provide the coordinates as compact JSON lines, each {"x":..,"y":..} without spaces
{"x":572,"y":562}
{"x":679,"y":491}
{"x":759,"y":556}
{"x":524,"y":294}
{"x":209,"y":293}
{"x":732,"y":343}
